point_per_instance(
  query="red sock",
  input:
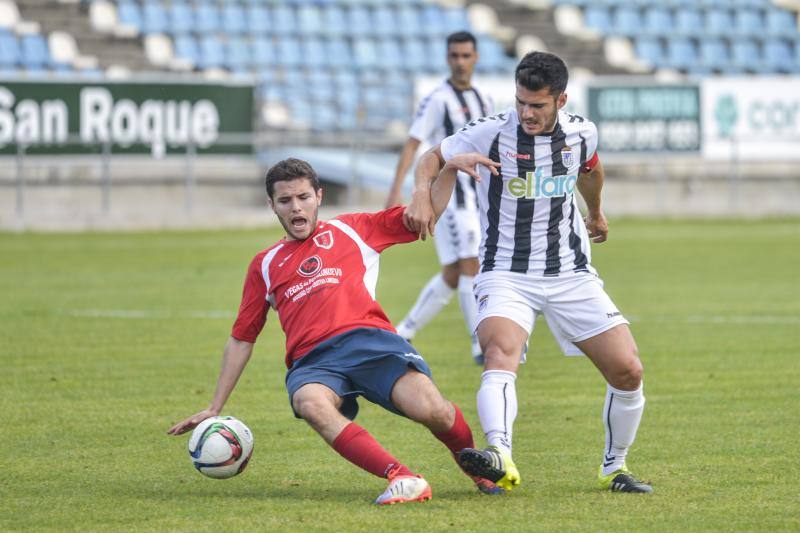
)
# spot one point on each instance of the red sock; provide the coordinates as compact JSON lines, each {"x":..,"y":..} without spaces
{"x":356,"y":445}
{"x":459,"y":436}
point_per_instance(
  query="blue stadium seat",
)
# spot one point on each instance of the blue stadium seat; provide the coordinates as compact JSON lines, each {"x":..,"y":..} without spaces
{"x":689,"y":22}
{"x":414,"y":55}
{"x":339,"y":54}
{"x":627,"y":21}
{"x":233,"y":19}
{"x":437,"y":54}
{"x":35,"y":54}
{"x":433,"y":23}
{"x":334,"y":21}
{"x":284,"y":21}
{"x":658,"y":21}
{"x":598,"y":19}
{"x":181,"y":19}
{"x":212,"y":53}
{"x":649,"y":49}
{"x":186,"y":48}
{"x":778,"y":56}
{"x":258,"y":20}
{"x":389,"y":51}
{"x":781,"y":23}
{"x":207,"y":19}
{"x":681,"y":53}
{"x":718,"y":22}
{"x":263,"y":52}
{"x":493,"y":57}
{"x":289,"y":53}
{"x":748,"y":23}
{"x":238,"y":55}
{"x":309,"y":20}
{"x":744,"y":55}
{"x":455,"y":19}
{"x":129,"y":14}
{"x":713,"y":54}
{"x":359,"y":21}
{"x":314,"y":52}
{"x":154,"y":18}
{"x":408,"y":21}
{"x":365,"y":53}
{"x":385,"y":20}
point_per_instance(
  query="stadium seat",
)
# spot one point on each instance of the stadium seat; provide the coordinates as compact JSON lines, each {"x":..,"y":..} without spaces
{"x":233,"y":19}
{"x":414,"y":55}
{"x":288,"y":52}
{"x":689,"y":22}
{"x":658,"y":21}
{"x":718,"y":22}
{"x":129,"y":14}
{"x":385,"y":20}
{"x":359,"y":22}
{"x":748,"y":23}
{"x":781,"y":23}
{"x":389,"y":52}
{"x":455,"y":19}
{"x":433,"y":23}
{"x":10,"y":55}
{"x":334,"y":21}
{"x":626,"y":21}
{"x":598,"y":19}
{"x":744,"y":55}
{"x":681,"y":53}
{"x":365,"y":53}
{"x":258,"y":20}
{"x":778,"y":56}
{"x":35,"y":55}
{"x":212,"y":53}
{"x":181,"y":19}
{"x":309,"y":20}
{"x":186,"y":48}
{"x":238,"y":55}
{"x":207,"y":19}
{"x":263,"y":53}
{"x":154,"y":17}
{"x":649,"y":50}
{"x":713,"y":54}
{"x":408,"y":22}
{"x":284,"y":21}
{"x":314,"y":53}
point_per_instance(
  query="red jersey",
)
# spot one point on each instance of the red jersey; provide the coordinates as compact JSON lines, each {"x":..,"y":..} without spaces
{"x":322,"y":286}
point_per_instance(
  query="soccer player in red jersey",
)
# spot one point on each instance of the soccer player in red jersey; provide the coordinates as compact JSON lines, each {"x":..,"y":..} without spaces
{"x":321,"y":279}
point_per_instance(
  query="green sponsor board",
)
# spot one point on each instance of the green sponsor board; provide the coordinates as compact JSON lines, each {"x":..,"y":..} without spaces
{"x":646,"y":118}
{"x":135,"y":118}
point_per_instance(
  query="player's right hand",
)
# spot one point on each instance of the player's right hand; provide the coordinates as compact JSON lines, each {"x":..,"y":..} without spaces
{"x":418,"y":216}
{"x":191,"y":422}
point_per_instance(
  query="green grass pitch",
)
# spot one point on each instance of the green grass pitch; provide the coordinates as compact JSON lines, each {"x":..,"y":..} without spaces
{"x":108,"y":339}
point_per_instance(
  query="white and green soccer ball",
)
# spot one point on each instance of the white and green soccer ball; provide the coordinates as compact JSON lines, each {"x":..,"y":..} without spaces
{"x":221,"y":446}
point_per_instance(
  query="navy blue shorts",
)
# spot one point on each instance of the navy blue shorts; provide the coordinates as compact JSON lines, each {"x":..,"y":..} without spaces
{"x":363,"y":362}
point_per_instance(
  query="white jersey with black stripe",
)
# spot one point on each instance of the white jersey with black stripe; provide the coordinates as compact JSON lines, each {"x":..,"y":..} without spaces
{"x":440,"y":114}
{"x":530,"y":221}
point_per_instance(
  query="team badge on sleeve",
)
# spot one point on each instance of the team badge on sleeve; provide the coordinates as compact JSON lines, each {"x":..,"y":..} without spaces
{"x":567,"y":157}
{"x":324,"y":240}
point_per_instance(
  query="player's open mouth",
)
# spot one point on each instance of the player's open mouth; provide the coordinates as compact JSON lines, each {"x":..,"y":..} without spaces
{"x":299,"y":222}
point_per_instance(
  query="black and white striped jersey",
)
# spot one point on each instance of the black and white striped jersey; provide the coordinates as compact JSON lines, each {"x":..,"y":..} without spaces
{"x":443,"y":112}
{"x":530,"y":221}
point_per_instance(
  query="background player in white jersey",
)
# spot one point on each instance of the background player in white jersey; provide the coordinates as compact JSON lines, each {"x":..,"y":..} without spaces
{"x":536,"y":259}
{"x":447,"y":108}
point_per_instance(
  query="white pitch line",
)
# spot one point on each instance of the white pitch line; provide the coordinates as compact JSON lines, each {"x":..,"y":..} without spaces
{"x":147,"y":314}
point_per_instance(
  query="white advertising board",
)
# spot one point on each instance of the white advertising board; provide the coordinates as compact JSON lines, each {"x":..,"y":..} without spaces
{"x":751,"y":118}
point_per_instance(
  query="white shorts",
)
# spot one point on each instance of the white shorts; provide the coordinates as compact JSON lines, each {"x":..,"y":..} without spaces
{"x":575,"y":306}
{"x":457,"y":235}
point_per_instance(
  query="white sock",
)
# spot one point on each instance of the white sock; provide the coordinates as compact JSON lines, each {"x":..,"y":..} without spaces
{"x":434,"y":296}
{"x":466,"y":297}
{"x":497,"y":407}
{"x":621,"y":415}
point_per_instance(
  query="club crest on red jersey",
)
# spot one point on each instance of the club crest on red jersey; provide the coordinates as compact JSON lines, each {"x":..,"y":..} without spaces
{"x":324,"y":240}
{"x":310,"y":266}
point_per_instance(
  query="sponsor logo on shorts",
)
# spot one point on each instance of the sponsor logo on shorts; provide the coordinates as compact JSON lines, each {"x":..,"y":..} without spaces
{"x":310,"y":266}
{"x":413,"y":355}
{"x":483,"y":302}
{"x":612,"y":315}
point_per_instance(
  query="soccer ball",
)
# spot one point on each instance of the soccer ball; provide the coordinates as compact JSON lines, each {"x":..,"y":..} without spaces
{"x":221,"y":446}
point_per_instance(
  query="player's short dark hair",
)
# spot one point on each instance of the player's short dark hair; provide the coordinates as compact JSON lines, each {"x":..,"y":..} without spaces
{"x":538,"y":70}
{"x":288,"y":170}
{"x":462,"y":37}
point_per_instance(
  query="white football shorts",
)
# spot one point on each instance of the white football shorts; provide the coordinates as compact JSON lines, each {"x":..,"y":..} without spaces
{"x":457,"y":235}
{"x":575,"y":306}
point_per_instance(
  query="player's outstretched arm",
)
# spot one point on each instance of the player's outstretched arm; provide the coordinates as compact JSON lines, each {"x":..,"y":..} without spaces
{"x":234,"y":359}
{"x":442,"y":187}
{"x":418,"y":216}
{"x":590,"y":185}
{"x":406,"y":158}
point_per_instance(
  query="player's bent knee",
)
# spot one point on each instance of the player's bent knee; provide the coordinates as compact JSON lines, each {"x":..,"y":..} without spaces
{"x":629,"y":376}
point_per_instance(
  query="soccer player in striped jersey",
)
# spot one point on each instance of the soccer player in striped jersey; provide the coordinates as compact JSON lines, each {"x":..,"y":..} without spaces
{"x":320,"y":280}
{"x":441,"y":113}
{"x":536,"y":260}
